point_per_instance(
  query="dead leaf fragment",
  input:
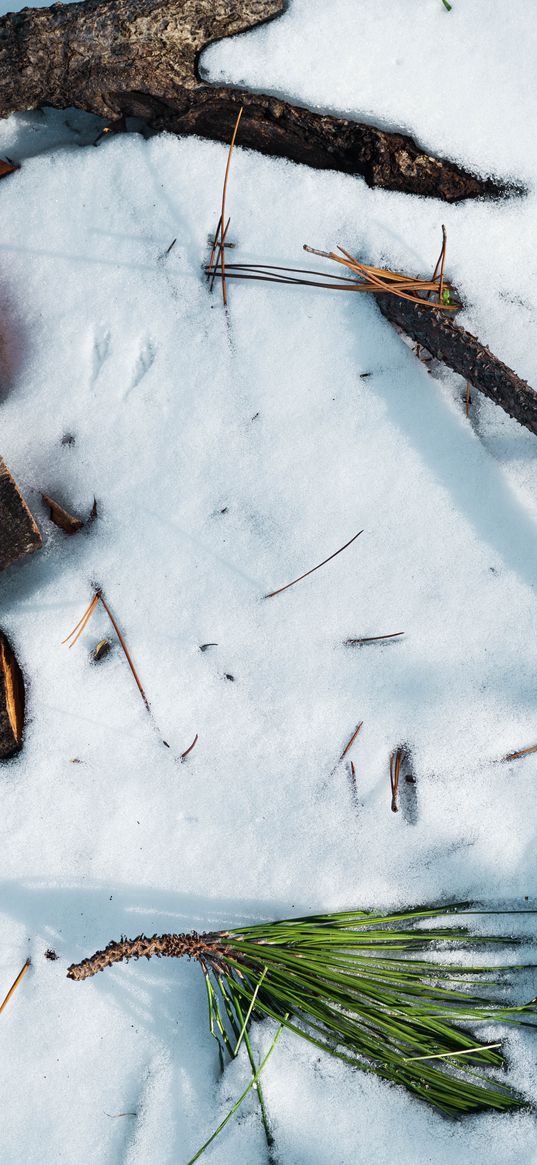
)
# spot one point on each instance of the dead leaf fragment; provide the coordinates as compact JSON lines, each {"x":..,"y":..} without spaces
{"x":61,"y":517}
{"x":6,"y":168}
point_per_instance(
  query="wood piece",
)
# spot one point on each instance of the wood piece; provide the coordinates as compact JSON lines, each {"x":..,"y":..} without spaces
{"x":19,"y":532}
{"x":139,"y":58}
{"x":11,"y":700}
{"x":461,"y":351}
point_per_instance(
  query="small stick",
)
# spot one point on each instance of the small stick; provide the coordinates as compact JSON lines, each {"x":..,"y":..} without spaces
{"x":351,"y":741}
{"x":14,"y":985}
{"x":468,"y":397}
{"x":395,"y":772}
{"x":271,"y":594}
{"x":371,"y":638}
{"x":443,"y":260}
{"x":220,"y":247}
{"x":223,"y":214}
{"x":189,"y":749}
{"x":521,"y":752}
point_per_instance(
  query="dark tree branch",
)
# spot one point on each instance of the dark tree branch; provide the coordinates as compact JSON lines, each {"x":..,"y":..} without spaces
{"x":446,"y":341}
{"x":120,"y":58}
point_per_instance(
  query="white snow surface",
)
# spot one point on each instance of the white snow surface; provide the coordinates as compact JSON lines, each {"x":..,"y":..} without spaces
{"x":229,"y":453}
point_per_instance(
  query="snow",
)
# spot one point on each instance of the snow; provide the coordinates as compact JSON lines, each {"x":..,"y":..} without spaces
{"x":228,"y":454}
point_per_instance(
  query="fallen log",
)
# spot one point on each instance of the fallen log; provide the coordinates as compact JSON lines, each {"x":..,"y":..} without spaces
{"x":11,"y":701}
{"x":139,"y":58}
{"x":19,"y":532}
{"x":460,"y":350}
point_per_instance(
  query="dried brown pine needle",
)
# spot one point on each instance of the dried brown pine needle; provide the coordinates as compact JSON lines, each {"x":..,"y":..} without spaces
{"x":14,"y":985}
{"x":190,"y":747}
{"x":80,"y":627}
{"x":351,"y":741}
{"x":395,"y":773}
{"x":223,"y":213}
{"x":468,"y":397}
{"x":371,"y":639}
{"x":521,"y":752}
{"x":271,"y":594}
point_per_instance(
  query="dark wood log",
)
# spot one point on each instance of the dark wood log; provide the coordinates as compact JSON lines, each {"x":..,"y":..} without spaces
{"x":11,"y":701}
{"x":139,"y":58}
{"x":460,"y":350}
{"x":19,"y":532}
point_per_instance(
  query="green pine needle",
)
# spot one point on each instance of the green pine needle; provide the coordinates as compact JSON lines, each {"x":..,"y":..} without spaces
{"x":368,"y":988}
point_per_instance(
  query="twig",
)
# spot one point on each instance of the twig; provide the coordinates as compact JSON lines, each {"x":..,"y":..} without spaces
{"x":395,"y":772}
{"x":189,"y":749}
{"x":14,"y":985}
{"x":371,"y":639}
{"x":468,"y":397}
{"x":351,"y":741}
{"x":271,"y":594}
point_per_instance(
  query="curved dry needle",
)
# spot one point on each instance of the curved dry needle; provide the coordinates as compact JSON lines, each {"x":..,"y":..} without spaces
{"x":271,"y":594}
{"x":14,"y":985}
{"x":83,"y":622}
{"x":124,"y":649}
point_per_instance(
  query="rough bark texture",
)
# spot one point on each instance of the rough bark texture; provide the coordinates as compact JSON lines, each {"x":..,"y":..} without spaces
{"x":139,"y":58}
{"x":174,"y":946}
{"x":11,"y":701}
{"x":19,"y":532}
{"x":448,"y":342}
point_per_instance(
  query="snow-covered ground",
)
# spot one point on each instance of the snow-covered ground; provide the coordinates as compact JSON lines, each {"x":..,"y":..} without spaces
{"x":228,"y":455}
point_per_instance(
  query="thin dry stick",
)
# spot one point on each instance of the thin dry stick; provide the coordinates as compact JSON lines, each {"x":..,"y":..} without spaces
{"x":223,"y":214}
{"x":82,"y":624}
{"x":190,"y":747}
{"x":14,"y":985}
{"x":395,"y":772}
{"x":215,"y":240}
{"x":372,"y":638}
{"x":521,"y":752}
{"x":468,"y":397}
{"x":442,"y":262}
{"x":351,"y":741}
{"x":271,"y":594}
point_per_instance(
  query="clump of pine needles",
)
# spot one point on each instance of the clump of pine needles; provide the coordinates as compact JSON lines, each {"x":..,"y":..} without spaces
{"x":362,"y":987}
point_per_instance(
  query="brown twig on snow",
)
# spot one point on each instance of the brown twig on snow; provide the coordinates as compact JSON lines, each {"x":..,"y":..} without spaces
{"x":14,"y":985}
{"x":271,"y":594}
{"x":468,"y":398}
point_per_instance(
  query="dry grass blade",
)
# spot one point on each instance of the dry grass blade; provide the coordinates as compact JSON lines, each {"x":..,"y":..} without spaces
{"x":14,"y":985}
{"x":395,"y":773}
{"x":271,"y":594}
{"x":351,"y":741}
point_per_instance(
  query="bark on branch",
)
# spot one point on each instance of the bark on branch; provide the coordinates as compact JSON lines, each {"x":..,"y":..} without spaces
{"x":19,"y":532}
{"x":445,"y":340}
{"x":121,"y":58}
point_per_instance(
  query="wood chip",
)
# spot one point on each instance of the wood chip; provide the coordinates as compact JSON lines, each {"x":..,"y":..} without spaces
{"x":11,"y":700}
{"x":62,"y":517}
